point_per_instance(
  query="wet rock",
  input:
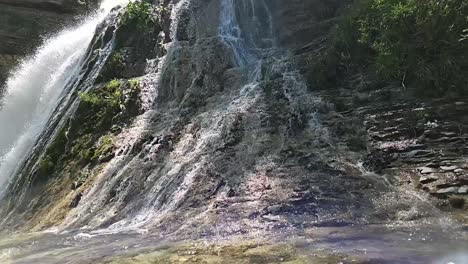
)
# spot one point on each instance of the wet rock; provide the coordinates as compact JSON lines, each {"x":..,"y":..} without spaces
{"x":457,"y":202}
{"x":75,"y":185}
{"x":379,"y":160}
{"x":231,"y":193}
{"x":463,"y":190}
{"x":76,"y":200}
{"x":428,"y":179}
{"x":418,"y":153}
{"x":445,"y":191}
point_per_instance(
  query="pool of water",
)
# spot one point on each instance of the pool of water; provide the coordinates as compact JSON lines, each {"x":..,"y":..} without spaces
{"x":350,"y":244}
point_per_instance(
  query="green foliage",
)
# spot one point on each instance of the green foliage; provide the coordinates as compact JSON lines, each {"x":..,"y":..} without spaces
{"x":111,"y":104}
{"x":134,"y":84}
{"x":116,"y":61}
{"x":87,"y":138}
{"x":114,"y":67}
{"x":103,"y":104}
{"x":139,"y":14}
{"x":420,"y":42}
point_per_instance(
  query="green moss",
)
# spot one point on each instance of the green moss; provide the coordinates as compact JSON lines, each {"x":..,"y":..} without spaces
{"x":100,"y":106}
{"x":87,"y":138}
{"x":104,"y":148}
{"x":81,"y":151}
{"x":46,"y":166}
{"x":53,"y":155}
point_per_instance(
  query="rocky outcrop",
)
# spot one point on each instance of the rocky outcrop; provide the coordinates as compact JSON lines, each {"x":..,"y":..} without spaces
{"x":214,"y":143}
{"x":301,"y":22}
{"x":418,"y":143}
{"x":69,"y":6}
{"x":25,"y":22}
{"x":217,"y":143}
{"x":424,"y":143}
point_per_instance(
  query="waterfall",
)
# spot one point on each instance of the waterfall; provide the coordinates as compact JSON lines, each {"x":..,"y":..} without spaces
{"x":251,"y":29}
{"x":230,"y":32}
{"x":34,"y":90}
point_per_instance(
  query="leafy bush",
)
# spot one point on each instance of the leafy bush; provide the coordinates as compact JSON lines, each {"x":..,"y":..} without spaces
{"x":419,"y":42}
{"x":139,"y":14}
{"x":103,"y":104}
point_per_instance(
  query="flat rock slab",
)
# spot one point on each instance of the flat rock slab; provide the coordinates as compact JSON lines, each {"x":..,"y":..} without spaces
{"x":449,"y":190}
{"x":463,"y":190}
{"x":428,"y":179}
{"x":449,"y":168}
{"x":426,"y":170}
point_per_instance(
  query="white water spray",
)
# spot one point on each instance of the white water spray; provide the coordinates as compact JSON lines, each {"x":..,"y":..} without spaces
{"x":34,"y":89}
{"x":256,"y":33}
{"x":231,"y":34}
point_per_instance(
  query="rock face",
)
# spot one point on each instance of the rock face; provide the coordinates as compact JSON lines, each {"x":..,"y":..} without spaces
{"x":51,"y":5}
{"x":25,"y":22}
{"x":420,"y":142}
{"x":301,"y":23}
{"x":216,"y":142}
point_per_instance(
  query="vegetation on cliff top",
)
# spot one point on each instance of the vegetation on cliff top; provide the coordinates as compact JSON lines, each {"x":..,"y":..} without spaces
{"x":138,"y":14}
{"x":421,"y":43}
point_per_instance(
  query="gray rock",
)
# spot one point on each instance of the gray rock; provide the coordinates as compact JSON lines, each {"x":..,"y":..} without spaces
{"x":24,"y":22}
{"x":426,"y":170}
{"x":428,"y":179}
{"x":463,"y":190}
{"x":459,"y":171}
{"x":448,"y":190}
{"x":448,"y":168}
{"x":418,"y":153}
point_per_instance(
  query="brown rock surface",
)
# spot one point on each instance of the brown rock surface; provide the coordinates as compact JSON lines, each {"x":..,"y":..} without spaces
{"x":23,"y":23}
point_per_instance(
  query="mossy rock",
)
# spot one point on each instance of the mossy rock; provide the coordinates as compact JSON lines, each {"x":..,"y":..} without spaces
{"x":87,"y":138}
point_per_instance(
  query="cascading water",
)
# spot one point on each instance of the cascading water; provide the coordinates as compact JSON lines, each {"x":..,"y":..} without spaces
{"x":229,"y":141}
{"x":35,"y":88}
{"x":255,"y":31}
{"x":112,"y":205}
